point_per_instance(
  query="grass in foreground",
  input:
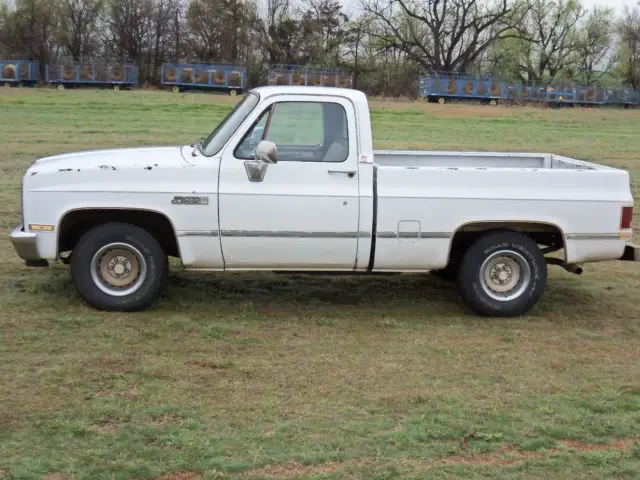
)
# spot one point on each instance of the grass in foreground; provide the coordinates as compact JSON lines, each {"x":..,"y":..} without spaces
{"x":265,"y":376}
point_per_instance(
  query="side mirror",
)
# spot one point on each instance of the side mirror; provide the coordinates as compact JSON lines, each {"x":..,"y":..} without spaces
{"x":266,"y":152}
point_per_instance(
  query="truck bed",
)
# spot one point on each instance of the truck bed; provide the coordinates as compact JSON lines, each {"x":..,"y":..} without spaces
{"x":423,"y":198}
{"x":412,"y":158}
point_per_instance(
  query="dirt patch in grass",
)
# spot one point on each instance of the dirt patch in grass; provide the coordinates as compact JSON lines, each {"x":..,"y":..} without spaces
{"x":56,"y":476}
{"x":181,"y":476}
{"x":501,"y":458}
{"x":623,"y":444}
{"x":293,"y":469}
{"x":104,"y":428}
{"x":493,"y":459}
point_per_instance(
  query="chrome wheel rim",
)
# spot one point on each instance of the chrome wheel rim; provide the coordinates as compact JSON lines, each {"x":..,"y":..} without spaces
{"x":505,"y":275}
{"x":118,"y":269}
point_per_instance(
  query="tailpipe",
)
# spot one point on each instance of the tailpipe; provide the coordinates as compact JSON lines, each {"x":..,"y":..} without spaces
{"x":569,"y":267}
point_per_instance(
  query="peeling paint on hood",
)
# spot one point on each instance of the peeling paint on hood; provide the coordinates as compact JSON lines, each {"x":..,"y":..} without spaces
{"x":111,"y":159}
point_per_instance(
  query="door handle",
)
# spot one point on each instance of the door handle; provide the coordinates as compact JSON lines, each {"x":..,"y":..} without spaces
{"x":350,"y":173}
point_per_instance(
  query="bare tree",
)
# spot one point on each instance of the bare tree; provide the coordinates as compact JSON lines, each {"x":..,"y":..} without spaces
{"x":220,"y":29}
{"x":326,"y":26}
{"x":629,"y":32}
{"x":594,"y":53}
{"x":162,"y":21}
{"x":34,"y":30}
{"x":78,"y":20}
{"x":446,"y":35}
{"x":128,"y":23}
{"x":551,"y":31}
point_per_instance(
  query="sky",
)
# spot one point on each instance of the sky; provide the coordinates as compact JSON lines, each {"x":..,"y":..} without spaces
{"x":616,"y":4}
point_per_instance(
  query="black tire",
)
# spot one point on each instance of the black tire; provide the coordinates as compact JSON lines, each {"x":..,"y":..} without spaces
{"x":522,"y":254}
{"x":139,"y":248}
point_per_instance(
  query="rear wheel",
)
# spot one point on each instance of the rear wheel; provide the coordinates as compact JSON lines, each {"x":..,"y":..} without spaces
{"x":118,"y":267}
{"x":502,"y":274}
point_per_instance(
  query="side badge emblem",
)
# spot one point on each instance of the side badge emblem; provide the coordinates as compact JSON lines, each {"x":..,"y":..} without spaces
{"x":179,"y":200}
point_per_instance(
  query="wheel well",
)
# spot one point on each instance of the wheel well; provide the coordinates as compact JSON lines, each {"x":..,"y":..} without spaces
{"x":75,"y":223}
{"x":549,"y":236}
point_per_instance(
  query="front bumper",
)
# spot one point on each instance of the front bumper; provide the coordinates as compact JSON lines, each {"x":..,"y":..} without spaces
{"x":631,"y":252}
{"x":26,"y":246}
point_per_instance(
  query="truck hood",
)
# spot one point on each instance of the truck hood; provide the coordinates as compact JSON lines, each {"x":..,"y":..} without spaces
{"x":112,"y":159}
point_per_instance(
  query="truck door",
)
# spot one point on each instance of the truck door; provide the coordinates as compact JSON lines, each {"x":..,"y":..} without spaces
{"x":302,"y":212}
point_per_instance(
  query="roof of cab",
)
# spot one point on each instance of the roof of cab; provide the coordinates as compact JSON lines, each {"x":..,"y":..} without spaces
{"x":303,"y":89}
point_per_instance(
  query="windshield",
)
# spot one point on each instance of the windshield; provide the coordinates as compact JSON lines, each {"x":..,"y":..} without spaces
{"x":214,"y":142}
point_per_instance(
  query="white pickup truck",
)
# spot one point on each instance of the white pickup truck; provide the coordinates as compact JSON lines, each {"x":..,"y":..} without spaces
{"x":289,"y":181}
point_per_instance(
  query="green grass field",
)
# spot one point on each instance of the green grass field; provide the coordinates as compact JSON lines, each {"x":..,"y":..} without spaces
{"x":265,"y":376}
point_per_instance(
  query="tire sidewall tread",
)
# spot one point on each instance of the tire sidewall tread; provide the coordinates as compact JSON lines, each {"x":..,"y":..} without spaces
{"x":101,"y":235}
{"x":469,"y":283}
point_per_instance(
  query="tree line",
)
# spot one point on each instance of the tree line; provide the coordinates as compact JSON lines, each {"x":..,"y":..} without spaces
{"x":386,"y":44}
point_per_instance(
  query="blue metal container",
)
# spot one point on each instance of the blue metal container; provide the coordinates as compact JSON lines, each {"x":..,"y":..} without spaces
{"x":559,"y":95}
{"x":630,"y":98}
{"x":293,"y":75}
{"x":19,"y":72}
{"x":517,"y":92}
{"x":446,"y":87}
{"x":570,"y":95}
{"x":113,"y":75}
{"x":199,"y":76}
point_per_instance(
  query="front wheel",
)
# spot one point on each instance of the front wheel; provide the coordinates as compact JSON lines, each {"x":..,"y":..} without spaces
{"x":502,"y":274}
{"x":118,"y":267}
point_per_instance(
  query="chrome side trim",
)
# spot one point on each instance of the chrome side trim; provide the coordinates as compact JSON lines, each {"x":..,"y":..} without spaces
{"x":592,"y":236}
{"x":298,"y":234}
{"x":426,"y":235}
{"x":293,"y":234}
{"x":198,"y":233}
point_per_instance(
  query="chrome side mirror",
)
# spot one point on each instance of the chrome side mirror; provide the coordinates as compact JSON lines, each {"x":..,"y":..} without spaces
{"x":266,"y":152}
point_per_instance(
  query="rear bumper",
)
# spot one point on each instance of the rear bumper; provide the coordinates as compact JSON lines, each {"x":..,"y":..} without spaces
{"x":26,"y":246}
{"x":631,"y":253}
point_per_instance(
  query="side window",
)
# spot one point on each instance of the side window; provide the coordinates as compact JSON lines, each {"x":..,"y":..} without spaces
{"x":247,"y":147}
{"x":296,"y":124}
{"x":302,"y":132}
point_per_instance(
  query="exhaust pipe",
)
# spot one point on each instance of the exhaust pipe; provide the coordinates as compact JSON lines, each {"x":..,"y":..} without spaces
{"x":569,"y":267}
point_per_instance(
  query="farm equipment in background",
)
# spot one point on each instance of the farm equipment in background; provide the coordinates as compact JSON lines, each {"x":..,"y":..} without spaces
{"x":450,"y":87}
{"x":557,"y":95}
{"x":445,"y":87}
{"x":115,"y":76}
{"x":301,"y":75}
{"x":630,"y":98}
{"x":198,"y":76}
{"x":440,"y":87}
{"x":15,"y":73}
